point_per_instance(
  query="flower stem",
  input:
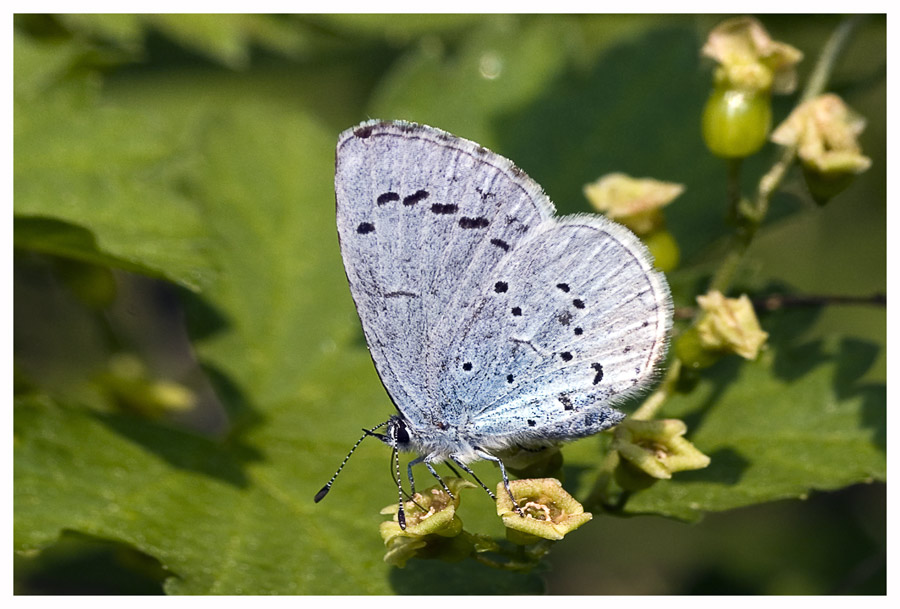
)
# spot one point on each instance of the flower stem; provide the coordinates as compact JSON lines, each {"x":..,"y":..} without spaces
{"x":750,"y":215}
{"x":656,"y":399}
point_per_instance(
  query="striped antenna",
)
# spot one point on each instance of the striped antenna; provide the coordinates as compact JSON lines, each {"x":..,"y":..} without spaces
{"x":366,"y":432}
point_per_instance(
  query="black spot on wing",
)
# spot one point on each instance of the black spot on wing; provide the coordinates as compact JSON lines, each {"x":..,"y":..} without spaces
{"x":467,"y":366}
{"x":415,"y":197}
{"x":579,"y":304}
{"x":501,"y":244}
{"x":599,"y":370}
{"x":485,"y":195}
{"x":517,"y":311}
{"x":566,"y":356}
{"x":480,"y":222}
{"x":565,"y":401}
{"x":444,"y":209}
{"x":501,"y":286}
{"x":387,"y":197}
{"x":365,"y":228}
{"x":563,"y":286}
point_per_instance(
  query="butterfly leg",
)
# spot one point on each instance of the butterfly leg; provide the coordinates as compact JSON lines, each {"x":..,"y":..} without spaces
{"x":412,"y":482}
{"x":439,"y":479}
{"x":409,"y":474}
{"x":466,"y":469}
{"x":489,"y":457}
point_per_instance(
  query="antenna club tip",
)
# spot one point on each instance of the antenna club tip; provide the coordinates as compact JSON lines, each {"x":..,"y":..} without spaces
{"x":321,"y":494}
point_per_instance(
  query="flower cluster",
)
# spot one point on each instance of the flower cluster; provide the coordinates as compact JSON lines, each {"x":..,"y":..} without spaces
{"x":434,"y":530}
{"x":430,"y":520}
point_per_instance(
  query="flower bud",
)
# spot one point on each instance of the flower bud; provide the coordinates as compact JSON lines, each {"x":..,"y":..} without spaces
{"x":736,"y":121}
{"x":664,"y":249}
{"x":129,"y":384}
{"x":691,"y":350}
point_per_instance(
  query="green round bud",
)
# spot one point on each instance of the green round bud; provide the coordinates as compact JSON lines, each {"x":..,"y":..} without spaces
{"x":664,"y":248}
{"x":824,"y":186}
{"x":736,"y":122}
{"x":692,"y":353}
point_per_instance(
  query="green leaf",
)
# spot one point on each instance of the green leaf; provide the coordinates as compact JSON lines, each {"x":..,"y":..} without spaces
{"x":396,"y":28}
{"x":106,"y":184}
{"x":286,"y":356}
{"x":501,"y":64}
{"x":793,"y":422}
{"x":229,"y":38}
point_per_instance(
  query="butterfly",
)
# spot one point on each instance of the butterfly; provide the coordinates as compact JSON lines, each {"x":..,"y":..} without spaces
{"x":493,"y":323}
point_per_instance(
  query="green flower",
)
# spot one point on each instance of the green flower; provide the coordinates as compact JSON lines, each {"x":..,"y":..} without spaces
{"x":657,"y":448}
{"x":550,"y":512}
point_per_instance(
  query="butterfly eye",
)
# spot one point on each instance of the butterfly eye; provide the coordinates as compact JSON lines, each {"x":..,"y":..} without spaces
{"x":400,"y":433}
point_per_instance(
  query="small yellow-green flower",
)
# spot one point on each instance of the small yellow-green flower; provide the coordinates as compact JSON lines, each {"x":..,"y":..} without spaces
{"x":825,"y":132}
{"x":401,"y":549}
{"x":635,"y":202}
{"x":550,"y":512}
{"x":432,"y":513}
{"x":749,"y":59}
{"x":729,"y":324}
{"x":430,"y":517}
{"x":657,"y":448}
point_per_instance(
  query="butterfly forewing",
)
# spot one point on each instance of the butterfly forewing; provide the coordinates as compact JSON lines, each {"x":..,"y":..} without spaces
{"x":423,"y":219}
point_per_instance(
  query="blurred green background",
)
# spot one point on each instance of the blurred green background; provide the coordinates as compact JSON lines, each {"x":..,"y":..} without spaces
{"x":568,"y":98}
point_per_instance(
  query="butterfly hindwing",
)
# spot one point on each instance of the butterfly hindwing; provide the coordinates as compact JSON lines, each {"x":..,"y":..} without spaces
{"x":573,"y":321}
